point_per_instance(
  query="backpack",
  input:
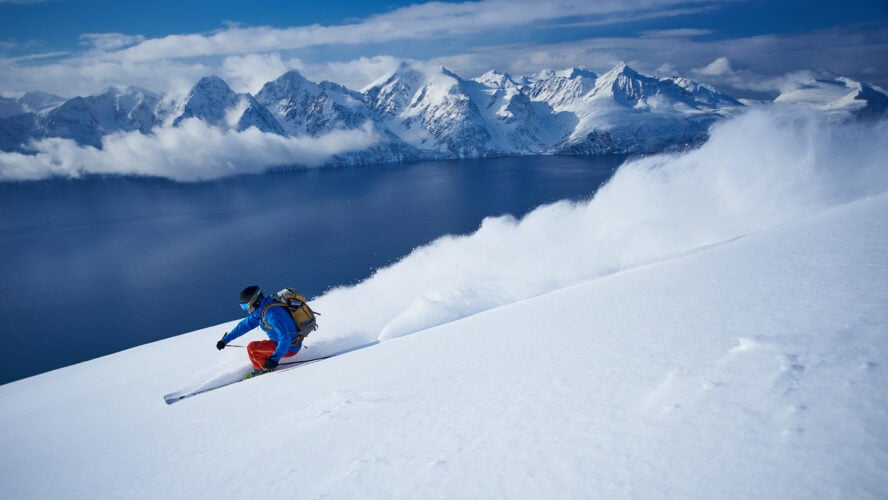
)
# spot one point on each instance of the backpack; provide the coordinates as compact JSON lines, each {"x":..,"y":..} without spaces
{"x":299,"y":310}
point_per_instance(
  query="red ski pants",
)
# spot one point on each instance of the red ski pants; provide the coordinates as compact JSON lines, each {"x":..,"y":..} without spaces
{"x":260,"y":350}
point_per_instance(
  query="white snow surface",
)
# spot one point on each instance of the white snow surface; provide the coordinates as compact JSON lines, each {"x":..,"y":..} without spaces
{"x":709,"y":325}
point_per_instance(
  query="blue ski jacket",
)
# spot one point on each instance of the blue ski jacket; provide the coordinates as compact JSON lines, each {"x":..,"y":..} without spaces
{"x":282,"y":331}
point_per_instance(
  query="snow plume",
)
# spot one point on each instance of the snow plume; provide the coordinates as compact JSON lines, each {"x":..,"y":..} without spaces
{"x":757,"y":171}
{"x":191,"y":151}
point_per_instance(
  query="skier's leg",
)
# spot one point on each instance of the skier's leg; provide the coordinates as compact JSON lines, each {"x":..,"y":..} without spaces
{"x":259,"y":351}
{"x":294,"y":350}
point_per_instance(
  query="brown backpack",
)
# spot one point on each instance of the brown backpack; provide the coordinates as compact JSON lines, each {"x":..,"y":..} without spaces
{"x":299,"y":310}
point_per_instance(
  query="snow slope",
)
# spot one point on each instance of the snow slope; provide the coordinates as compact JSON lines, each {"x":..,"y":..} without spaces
{"x":718,"y":331}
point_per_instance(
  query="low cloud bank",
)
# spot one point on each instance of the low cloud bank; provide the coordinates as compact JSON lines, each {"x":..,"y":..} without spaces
{"x":757,"y":171}
{"x":192,"y":151}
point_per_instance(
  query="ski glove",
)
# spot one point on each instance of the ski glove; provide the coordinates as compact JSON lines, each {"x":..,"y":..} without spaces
{"x":270,"y":364}
{"x":220,"y":345}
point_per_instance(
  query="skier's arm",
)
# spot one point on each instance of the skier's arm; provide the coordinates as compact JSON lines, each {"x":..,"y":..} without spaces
{"x":246,"y":324}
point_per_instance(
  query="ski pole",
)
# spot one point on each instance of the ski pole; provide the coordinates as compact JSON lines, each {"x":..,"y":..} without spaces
{"x":243,"y":346}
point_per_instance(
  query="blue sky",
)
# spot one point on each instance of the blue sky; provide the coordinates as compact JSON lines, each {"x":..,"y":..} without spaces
{"x":79,"y":47}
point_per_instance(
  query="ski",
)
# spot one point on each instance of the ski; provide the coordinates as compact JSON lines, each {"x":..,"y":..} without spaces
{"x":232,"y":378}
{"x":227,"y":379}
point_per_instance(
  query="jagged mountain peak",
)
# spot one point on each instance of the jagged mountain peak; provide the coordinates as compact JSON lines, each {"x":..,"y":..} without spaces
{"x":303,"y":107}
{"x":336,"y":87}
{"x":211,"y":86}
{"x":627,"y":87}
{"x":451,"y":74}
{"x":433,"y":107}
{"x":292,"y":76}
{"x":407,"y":70}
{"x":563,"y":89}
{"x":129,"y":99}
{"x":392,"y":95}
{"x":37,"y":101}
{"x":118,"y":90}
{"x":705,"y":93}
{"x":621,"y":71}
{"x":286,"y":92}
{"x":418,"y":74}
{"x":30,"y":102}
{"x":571,"y":73}
{"x":209,"y":99}
{"x":291,"y":81}
{"x":496,"y":79}
{"x":213,"y":101}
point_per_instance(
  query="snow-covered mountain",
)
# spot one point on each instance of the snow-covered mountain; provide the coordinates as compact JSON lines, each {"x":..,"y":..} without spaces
{"x":432,"y":111}
{"x":517,"y":123}
{"x":566,"y":111}
{"x":710,"y":324}
{"x":562,"y":90}
{"x":420,"y":111}
{"x":86,"y":120}
{"x":31,"y":102}
{"x":305,"y":108}
{"x":626,"y":111}
{"x":838,"y":96}
{"x":213,"y":102}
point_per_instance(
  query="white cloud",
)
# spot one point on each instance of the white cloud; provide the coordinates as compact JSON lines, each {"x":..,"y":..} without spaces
{"x":599,"y":54}
{"x":630,"y":16}
{"x":34,"y":57}
{"x":87,"y":75}
{"x":676,"y":33}
{"x":717,"y":67}
{"x":110,"y":41}
{"x":369,"y":48}
{"x":666,"y":70}
{"x":432,"y":20}
{"x":753,"y":64}
{"x":355,"y":74}
{"x":193,"y":151}
{"x":250,"y":72}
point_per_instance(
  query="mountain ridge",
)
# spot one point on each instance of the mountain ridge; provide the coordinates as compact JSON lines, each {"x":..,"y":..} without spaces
{"x":425,"y":112}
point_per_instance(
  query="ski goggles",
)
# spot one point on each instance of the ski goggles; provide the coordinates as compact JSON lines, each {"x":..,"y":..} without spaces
{"x":245,"y":307}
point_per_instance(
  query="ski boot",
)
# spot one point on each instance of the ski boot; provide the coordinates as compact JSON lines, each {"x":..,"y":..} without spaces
{"x":255,"y":372}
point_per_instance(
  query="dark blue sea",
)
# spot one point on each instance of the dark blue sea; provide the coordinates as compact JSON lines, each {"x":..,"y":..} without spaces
{"x":93,"y":266}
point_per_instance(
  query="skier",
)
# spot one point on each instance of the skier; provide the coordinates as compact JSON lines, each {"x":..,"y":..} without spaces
{"x":277,"y":324}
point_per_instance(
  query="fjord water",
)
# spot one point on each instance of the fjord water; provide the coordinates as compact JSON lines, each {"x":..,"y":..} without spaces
{"x":93,"y":266}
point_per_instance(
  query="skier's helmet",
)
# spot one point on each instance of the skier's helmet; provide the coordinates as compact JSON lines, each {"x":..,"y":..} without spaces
{"x":250,"y":297}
